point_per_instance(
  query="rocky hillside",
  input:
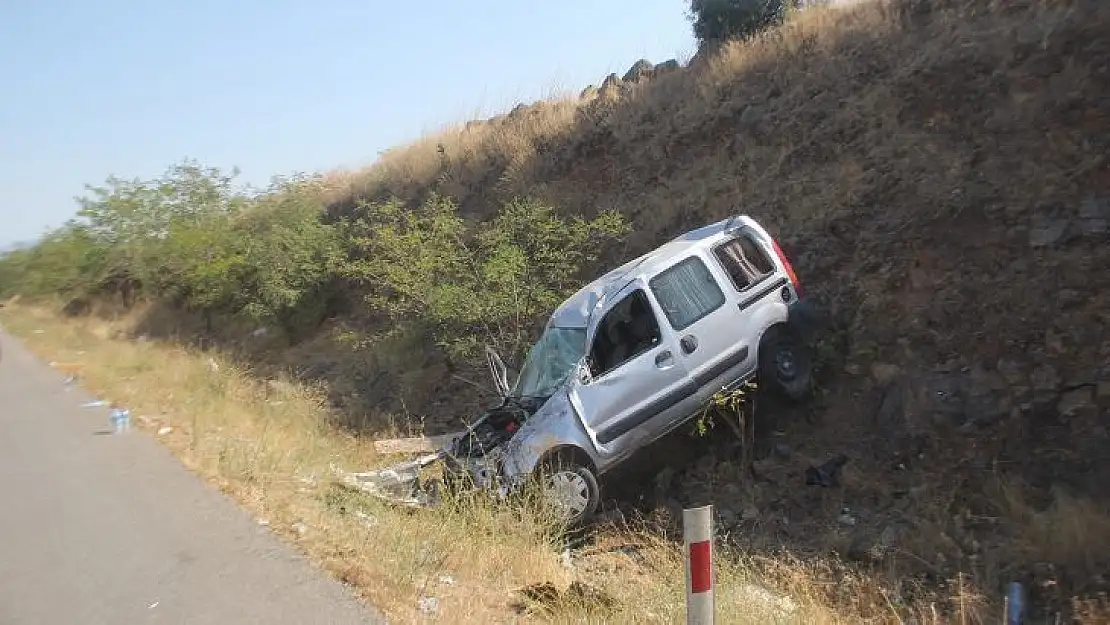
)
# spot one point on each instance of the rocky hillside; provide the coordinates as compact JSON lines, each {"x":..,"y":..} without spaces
{"x":938,"y":170}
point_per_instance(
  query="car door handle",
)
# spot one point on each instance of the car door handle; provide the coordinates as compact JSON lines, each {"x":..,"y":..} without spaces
{"x":689,"y":343}
{"x":664,"y":359}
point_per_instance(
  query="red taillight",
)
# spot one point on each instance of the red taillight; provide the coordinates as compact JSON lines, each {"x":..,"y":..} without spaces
{"x":789,"y":268}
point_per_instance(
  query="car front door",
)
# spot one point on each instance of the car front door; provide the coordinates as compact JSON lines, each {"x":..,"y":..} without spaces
{"x":634,"y":379}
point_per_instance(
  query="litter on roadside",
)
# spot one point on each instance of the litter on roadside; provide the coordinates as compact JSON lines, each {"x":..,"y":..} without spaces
{"x":121,"y":420}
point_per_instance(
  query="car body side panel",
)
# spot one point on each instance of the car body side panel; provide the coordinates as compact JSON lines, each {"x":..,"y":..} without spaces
{"x":555,"y":425}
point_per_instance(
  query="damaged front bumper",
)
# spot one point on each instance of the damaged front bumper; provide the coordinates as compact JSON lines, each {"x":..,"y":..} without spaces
{"x":484,"y":458}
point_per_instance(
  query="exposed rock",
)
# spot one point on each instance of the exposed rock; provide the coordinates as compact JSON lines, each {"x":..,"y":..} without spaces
{"x":589,"y":93}
{"x":640,"y":70}
{"x":752,"y":115}
{"x":1045,"y":378}
{"x":749,"y":513}
{"x":885,"y":373}
{"x":1075,"y":400}
{"x":610,"y":81}
{"x":1011,"y":372}
{"x":726,"y":516}
{"x":1094,"y":216}
{"x":865,"y":547}
{"x":1044,"y":231}
{"x":667,"y":66}
{"x":518,"y":111}
{"x":663,"y":479}
{"x":917,"y":403}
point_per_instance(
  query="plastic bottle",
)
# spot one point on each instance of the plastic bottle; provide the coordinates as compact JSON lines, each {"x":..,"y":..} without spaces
{"x":121,"y":420}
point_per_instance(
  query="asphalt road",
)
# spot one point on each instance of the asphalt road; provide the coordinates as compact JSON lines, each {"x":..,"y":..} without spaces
{"x":98,"y":528}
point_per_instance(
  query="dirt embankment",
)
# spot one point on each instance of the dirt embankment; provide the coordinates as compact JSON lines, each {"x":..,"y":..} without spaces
{"x":938,"y":170}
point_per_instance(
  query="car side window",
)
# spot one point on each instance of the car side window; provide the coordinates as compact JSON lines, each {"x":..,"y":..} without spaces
{"x":745,"y":261}
{"x":687,"y":292}
{"x":626,"y":331}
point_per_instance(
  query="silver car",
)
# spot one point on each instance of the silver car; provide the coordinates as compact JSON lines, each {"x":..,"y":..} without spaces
{"x":635,"y":354}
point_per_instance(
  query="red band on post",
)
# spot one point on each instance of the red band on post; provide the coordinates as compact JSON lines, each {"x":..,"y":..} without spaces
{"x":701,"y":567}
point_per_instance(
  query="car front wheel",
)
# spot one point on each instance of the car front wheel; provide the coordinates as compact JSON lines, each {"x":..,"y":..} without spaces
{"x":569,"y":490}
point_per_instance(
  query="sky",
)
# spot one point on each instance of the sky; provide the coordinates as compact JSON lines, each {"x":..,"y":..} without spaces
{"x":119,"y":87}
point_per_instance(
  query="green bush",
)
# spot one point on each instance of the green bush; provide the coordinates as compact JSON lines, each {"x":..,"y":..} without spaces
{"x":723,"y":20}
{"x":195,"y":239}
{"x":486,"y":283}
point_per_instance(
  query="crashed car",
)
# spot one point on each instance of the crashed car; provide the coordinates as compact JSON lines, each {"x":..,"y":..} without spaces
{"x":636,"y":354}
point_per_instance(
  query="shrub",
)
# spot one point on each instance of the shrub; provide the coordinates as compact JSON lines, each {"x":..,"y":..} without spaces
{"x":473,"y":284}
{"x":723,"y":20}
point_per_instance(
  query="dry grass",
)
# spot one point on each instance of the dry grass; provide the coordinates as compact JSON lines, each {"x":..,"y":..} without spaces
{"x":269,"y":445}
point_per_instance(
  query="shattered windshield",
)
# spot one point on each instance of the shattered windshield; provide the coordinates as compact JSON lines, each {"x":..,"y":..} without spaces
{"x":550,"y":361}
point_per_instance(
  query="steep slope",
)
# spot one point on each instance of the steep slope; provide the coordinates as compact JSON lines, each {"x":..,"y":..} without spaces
{"x":938,"y":171}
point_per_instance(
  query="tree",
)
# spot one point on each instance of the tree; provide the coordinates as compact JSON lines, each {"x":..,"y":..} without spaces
{"x":716,"y":21}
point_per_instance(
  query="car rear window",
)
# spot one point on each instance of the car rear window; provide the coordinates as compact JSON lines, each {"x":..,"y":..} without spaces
{"x":745,"y":261}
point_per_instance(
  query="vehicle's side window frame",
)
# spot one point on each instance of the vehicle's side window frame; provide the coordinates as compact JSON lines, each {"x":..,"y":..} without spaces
{"x":652,"y":283}
{"x":755,"y":280}
{"x":654,"y":330}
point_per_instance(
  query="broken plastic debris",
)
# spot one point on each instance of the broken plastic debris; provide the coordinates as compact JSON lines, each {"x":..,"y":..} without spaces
{"x":827,"y":473}
{"x":398,"y":484}
{"x":428,"y":605}
{"x":94,"y":404}
{"x":164,"y":430}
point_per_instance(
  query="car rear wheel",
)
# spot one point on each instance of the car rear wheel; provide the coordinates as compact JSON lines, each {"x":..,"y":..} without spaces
{"x":785,"y":364}
{"x":569,"y":490}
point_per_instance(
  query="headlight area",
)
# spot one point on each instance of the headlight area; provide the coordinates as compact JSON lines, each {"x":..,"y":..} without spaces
{"x":483,"y":472}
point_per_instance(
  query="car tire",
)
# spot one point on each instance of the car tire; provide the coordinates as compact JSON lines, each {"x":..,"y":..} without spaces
{"x":785,"y":364}
{"x":572,"y":487}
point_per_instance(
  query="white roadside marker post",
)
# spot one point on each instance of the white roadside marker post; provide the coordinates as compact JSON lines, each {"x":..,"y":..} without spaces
{"x":697,"y":529}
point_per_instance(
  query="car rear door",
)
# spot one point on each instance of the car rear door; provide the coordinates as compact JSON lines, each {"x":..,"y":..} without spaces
{"x":710,"y":328}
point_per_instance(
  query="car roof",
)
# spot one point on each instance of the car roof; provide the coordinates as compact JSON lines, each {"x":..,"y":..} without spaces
{"x":575,"y":311}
